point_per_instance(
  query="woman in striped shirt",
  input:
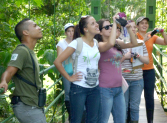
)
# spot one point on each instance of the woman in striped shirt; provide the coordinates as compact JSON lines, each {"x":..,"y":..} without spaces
{"x":134,"y":77}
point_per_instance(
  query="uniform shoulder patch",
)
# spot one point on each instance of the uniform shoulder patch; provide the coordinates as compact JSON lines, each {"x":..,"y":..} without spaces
{"x":14,"y":57}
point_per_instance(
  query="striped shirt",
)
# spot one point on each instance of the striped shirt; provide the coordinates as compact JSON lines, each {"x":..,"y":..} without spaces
{"x":135,"y":74}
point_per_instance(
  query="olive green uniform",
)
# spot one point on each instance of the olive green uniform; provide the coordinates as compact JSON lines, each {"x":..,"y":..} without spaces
{"x":22,"y":60}
{"x":27,"y":111}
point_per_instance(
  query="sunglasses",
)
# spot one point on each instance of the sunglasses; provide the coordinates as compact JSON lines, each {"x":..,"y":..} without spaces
{"x":108,"y":26}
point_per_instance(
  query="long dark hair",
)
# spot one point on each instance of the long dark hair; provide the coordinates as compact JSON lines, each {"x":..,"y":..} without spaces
{"x":79,"y":28}
{"x":99,"y":37}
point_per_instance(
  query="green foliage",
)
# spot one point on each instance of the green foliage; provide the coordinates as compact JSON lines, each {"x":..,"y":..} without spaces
{"x":50,"y":19}
{"x":132,"y":8}
{"x":4,"y":108}
{"x":4,"y":59}
{"x":2,"y":69}
{"x":160,"y":19}
{"x":49,"y":55}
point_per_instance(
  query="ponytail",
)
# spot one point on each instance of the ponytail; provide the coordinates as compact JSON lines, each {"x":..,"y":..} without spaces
{"x":98,"y":37}
{"x":76,"y":32}
{"x":79,"y":28}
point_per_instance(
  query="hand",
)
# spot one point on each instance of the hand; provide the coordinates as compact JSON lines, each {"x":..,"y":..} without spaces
{"x":147,"y":36}
{"x":116,"y":16}
{"x":128,"y":26}
{"x":4,"y":85}
{"x":138,"y":55}
{"x":76,"y":77}
{"x":159,"y":29}
{"x":128,"y":55}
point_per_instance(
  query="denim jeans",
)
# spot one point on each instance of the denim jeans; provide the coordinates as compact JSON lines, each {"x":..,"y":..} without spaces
{"x":66,"y":84}
{"x":133,"y":97}
{"x":28,"y":114}
{"x":112,"y":101}
{"x":149,"y":85}
{"x":88,"y":97}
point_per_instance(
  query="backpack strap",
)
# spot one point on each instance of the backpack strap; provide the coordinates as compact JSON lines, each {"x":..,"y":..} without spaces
{"x":97,"y":44}
{"x":21,"y":78}
{"x":77,"y":53}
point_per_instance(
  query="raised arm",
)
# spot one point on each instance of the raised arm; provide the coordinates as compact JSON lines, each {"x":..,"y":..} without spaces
{"x":106,"y":45}
{"x":132,"y":39}
{"x":6,"y":76}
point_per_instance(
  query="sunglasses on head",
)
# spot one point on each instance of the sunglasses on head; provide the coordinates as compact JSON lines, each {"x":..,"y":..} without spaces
{"x":85,"y":16}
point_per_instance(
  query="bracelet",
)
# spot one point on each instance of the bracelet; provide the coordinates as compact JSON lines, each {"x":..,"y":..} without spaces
{"x":162,"y":30}
{"x":138,"y":55}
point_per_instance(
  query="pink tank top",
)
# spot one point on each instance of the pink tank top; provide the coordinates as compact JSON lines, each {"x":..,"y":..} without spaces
{"x":110,"y":69}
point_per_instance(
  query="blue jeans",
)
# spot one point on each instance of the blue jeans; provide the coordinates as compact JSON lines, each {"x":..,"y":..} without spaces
{"x":80,"y":97}
{"x":133,"y":97}
{"x":112,"y":101}
{"x":149,"y":85}
{"x":66,"y":84}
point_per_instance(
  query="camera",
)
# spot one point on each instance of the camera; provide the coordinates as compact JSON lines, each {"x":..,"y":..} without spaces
{"x":122,"y":21}
{"x":154,"y":32}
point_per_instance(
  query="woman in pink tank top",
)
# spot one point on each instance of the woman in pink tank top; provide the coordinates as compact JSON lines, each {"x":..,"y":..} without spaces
{"x":110,"y":79}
